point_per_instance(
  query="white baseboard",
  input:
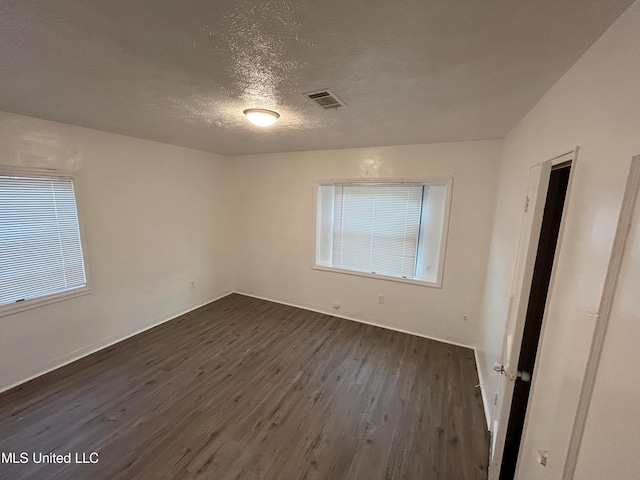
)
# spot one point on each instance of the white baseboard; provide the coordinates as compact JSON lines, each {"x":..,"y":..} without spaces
{"x":483,"y":391}
{"x":314,"y":308}
{"x":485,"y":403}
{"x":86,"y":351}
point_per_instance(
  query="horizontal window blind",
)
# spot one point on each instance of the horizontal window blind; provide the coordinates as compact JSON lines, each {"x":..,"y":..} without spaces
{"x":40,"y":249}
{"x":376,"y":228}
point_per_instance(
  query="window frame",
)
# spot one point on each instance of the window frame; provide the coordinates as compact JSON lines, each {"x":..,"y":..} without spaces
{"x":446,"y":181}
{"x":12,"y":308}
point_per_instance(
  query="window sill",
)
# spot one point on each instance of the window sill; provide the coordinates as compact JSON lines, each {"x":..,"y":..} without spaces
{"x":12,"y":308}
{"x":422,"y":283}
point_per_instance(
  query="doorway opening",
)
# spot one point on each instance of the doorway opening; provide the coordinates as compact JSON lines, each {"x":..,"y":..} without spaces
{"x":545,"y":255}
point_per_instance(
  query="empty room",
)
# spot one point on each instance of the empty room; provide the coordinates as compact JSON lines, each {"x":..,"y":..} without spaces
{"x":290,"y":240}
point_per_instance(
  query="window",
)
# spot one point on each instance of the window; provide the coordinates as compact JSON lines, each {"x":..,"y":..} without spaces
{"x":40,"y":248}
{"x":394,"y":230}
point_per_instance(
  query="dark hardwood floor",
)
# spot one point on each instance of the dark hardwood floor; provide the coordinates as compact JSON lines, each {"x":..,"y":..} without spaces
{"x":248,"y":389}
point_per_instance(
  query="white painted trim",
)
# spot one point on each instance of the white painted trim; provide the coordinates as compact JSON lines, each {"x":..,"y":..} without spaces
{"x":485,"y":403}
{"x":570,"y":155}
{"x":618,"y":250}
{"x":78,"y":190}
{"x":445,"y":232}
{"x":377,"y":276}
{"x":567,"y":156}
{"x":382,"y":180}
{"x":11,"y":308}
{"x":86,"y":351}
{"x":345,"y":317}
{"x":445,"y":181}
{"x":532,"y":216}
{"x":10,"y":170}
{"x":483,"y":391}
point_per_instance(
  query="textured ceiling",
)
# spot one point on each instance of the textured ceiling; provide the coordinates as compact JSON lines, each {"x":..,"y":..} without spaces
{"x":181,"y":72}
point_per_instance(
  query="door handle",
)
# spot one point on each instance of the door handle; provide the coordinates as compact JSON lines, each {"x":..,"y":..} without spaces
{"x":498,"y":367}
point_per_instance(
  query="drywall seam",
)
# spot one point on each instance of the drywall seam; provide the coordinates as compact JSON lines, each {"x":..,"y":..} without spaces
{"x":96,"y":347}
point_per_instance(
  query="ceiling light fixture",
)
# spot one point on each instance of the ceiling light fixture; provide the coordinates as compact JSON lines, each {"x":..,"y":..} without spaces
{"x":261,"y":117}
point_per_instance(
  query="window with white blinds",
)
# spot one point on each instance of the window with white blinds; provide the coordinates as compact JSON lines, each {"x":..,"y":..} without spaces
{"x":375,"y":228}
{"x":40,"y":248}
{"x":389,"y":229}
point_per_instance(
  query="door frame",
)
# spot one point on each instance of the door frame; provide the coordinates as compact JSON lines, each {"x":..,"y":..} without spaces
{"x":630,"y":202}
{"x":515,"y":320}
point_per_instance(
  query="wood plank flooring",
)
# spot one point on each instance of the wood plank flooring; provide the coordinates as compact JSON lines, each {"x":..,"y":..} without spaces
{"x":248,"y":389}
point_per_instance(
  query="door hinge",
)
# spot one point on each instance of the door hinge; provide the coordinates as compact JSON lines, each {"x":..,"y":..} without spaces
{"x":526,"y":204}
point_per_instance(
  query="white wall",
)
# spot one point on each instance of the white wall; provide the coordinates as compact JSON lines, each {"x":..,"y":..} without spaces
{"x":596,"y":105}
{"x":275,"y":228}
{"x":614,"y":414}
{"x":154,"y":217}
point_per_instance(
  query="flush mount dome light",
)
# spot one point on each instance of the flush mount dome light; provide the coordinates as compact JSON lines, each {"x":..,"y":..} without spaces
{"x":261,"y":117}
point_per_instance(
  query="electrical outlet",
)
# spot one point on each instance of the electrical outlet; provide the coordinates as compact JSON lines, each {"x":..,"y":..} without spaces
{"x":336,"y":305}
{"x":380,"y":298}
{"x":192,"y":284}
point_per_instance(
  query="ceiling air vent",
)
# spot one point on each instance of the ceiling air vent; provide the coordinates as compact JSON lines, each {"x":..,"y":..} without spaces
{"x":324,"y":99}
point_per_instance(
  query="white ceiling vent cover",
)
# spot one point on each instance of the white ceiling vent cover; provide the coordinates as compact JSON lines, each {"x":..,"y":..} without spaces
{"x":325,"y":99}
